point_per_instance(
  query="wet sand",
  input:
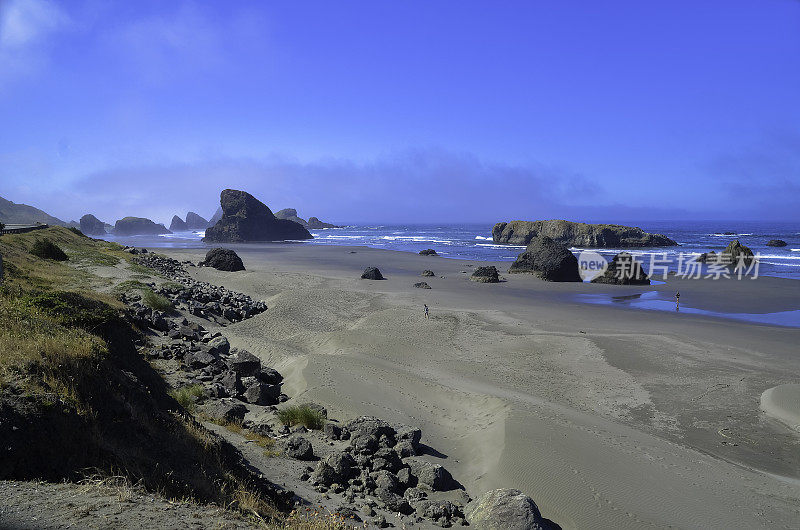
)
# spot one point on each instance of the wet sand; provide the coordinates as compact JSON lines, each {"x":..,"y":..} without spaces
{"x":606,"y":416}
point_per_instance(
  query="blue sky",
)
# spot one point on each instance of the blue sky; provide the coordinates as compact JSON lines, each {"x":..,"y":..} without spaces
{"x":404,"y":111}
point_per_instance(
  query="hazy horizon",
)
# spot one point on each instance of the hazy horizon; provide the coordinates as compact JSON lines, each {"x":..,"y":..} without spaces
{"x":411,"y":113}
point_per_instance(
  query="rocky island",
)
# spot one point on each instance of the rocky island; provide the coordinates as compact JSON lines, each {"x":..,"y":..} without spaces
{"x":578,"y":234}
{"x":314,"y":223}
{"x":92,"y":226}
{"x":245,"y":218}
{"x":138,"y":226}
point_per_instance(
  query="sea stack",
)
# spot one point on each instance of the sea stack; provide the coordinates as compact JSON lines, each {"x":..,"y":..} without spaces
{"x":92,"y":226}
{"x":578,"y":234}
{"x":177,"y":224}
{"x":138,"y":226}
{"x":245,"y":218}
{"x":195,"y":222}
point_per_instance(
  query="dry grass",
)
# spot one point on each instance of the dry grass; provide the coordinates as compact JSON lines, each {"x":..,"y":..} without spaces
{"x":187,"y":396}
{"x":301,"y":415}
{"x":318,"y":519}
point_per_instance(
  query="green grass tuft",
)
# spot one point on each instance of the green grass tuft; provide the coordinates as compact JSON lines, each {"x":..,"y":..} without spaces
{"x":156,"y":301}
{"x":187,"y":396}
{"x":301,"y":415}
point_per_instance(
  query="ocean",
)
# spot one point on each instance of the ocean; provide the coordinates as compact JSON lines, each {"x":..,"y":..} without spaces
{"x":474,"y":241}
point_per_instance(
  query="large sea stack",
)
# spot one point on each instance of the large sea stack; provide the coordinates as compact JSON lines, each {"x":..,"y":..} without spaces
{"x":290,"y":214}
{"x":177,"y":224}
{"x":195,"y":222}
{"x":577,"y":234}
{"x":245,"y":218}
{"x":92,"y":226}
{"x":549,"y":260}
{"x":138,"y":226}
{"x":316,"y":224}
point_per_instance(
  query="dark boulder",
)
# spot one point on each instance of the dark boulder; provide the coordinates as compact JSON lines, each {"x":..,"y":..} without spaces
{"x":577,"y":234}
{"x":736,"y":254}
{"x":508,"y":509}
{"x":372,"y":273}
{"x":138,"y":226}
{"x":549,"y":260}
{"x":223,"y":259}
{"x":707,"y":257}
{"x":195,"y":222}
{"x":485,"y":275}
{"x":623,"y":269}
{"x":245,"y":218}
{"x":428,"y":252}
{"x":428,"y":273}
{"x":422,"y":285}
{"x":299,"y":448}
{"x":244,"y":363}
{"x":177,"y":225}
{"x":92,"y":226}
{"x":262,"y":394}
{"x":771,"y":243}
{"x":431,"y":476}
{"x":225,"y":409}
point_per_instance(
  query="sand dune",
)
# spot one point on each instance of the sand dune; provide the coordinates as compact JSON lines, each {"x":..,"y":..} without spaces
{"x":607,"y":417}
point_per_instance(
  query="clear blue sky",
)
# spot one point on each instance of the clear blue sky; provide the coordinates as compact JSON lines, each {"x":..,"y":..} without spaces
{"x":404,"y":111}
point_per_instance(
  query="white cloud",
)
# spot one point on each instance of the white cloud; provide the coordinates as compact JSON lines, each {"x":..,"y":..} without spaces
{"x":25,"y":26}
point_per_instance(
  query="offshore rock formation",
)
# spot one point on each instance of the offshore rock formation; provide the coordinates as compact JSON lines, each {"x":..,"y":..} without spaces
{"x":138,"y":226}
{"x":549,"y":260}
{"x":623,"y":270}
{"x":195,"y":222}
{"x":776,"y":243}
{"x":245,"y":218}
{"x":577,"y":234}
{"x":92,"y":226}
{"x":316,"y":224}
{"x":177,"y":224}
{"x":313,"y":222}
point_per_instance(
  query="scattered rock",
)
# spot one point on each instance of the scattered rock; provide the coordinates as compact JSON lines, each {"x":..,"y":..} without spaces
{"x":299,"y":448}
{"x":485,"y":275}
{"x":372,"y":273}
{"x":427,"y":273}
{"x":428,"y":252}
{"x":225,"y":409}
{"x":422,"y":285}
{"x":508,"y":509}
{"x":244,"y":363}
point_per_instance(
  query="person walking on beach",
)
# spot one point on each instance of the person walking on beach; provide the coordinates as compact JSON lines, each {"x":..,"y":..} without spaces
{"x":426,"y":310}
{"x":677,"y":300}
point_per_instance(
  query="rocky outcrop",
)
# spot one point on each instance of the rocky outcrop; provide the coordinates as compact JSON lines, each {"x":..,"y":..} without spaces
{"x":485,"y":275}
{"x":776,"y":243}
{"x":178,"y":225}
{"x":506,"y":509}
{"x":316,"y":224}
{"x":623,"y":269}
{"x":736,"y":253}
{"x":422,"y":285}
{"x":549,"y":260}
{"x":223,"y":259}
{"x":92,"y":226}
{"x":290,"y":214}
{"x":372,"y":273}
{"x":245,"y":218}
{"x":195,"y":222}
{"x":577,"y":234}
{"x":428,"y":273}
{"x":428,"y":252}
{"x":138,"y":226}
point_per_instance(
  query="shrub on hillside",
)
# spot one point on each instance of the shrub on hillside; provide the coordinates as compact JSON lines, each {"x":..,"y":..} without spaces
{"x":46,"y":249}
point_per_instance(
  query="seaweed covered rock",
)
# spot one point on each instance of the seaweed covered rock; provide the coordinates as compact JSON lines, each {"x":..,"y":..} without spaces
{"x":223,"y":259}
{"x":245,"y":218}
{"x":623,"y":269}
{"x":549,"y":260}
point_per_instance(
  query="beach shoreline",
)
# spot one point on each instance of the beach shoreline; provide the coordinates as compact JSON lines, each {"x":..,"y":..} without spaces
{"x":604,"y":415}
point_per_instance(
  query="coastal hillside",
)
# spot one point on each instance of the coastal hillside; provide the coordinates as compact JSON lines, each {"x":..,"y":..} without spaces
{"x":14,"y":213}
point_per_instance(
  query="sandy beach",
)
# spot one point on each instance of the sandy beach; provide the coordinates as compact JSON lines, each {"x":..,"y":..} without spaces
{"x":606,"y":416}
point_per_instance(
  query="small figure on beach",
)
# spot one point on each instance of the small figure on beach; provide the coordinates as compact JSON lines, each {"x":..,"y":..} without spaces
{"x":677,"y":300}
{"x":426,"y":310}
